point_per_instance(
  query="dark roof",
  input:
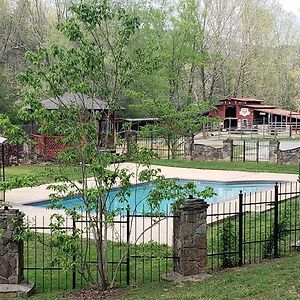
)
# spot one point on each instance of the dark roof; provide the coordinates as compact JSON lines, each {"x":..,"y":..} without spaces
{"x":259,"y":106}
{"x":75,"y":99}
{"x":140,"y":119}
{"x":243,"y":99}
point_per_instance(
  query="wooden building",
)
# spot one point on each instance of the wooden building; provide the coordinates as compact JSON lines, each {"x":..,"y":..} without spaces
{"x":49,"y":146}
{"x":246,"y":113}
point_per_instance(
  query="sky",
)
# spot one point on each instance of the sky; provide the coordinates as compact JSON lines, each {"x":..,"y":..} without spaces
{"x":291,"y":5}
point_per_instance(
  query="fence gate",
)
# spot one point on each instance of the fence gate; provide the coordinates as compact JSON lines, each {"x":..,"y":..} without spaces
{"x":256,"y":151}
{"x":170,"y":146}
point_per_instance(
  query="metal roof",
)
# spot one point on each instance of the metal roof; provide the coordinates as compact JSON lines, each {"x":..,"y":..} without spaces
{"x":280,"y":112}
{"x":259,"y":106}
{"x":75,"y":99}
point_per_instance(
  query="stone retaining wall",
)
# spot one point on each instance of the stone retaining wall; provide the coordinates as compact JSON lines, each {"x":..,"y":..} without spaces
{"x":290,"y":156}
{"x":203,"y":152}
{"x":207,"y":153}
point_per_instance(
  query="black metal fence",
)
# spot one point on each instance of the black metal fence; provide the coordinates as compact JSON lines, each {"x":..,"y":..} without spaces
{"x":139,"y":250}
{"x":252,"y":228}
{"x":169,"y":146}
{"x":257,"y":226}
{"x":250,"y":151}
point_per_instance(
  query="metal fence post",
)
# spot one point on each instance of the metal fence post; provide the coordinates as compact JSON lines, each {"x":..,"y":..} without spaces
{"x":240,"y":228}
{"x":257,"y":151}
{"x":151,"y":140}
{"x":128,"y":247}
{"x":276,"y":222}
{"x":244,"y":151}
{"x":168,"y":145}
{"x":74,"y":256}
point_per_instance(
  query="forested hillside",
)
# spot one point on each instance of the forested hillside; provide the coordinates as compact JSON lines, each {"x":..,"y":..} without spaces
{"x":190,"y":51}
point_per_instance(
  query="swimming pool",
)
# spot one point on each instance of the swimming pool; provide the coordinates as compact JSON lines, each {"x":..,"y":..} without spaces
{"x":224,"y":190}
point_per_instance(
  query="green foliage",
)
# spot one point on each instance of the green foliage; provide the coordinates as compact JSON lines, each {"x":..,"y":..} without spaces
{"x":18,"y":182}
{"x":228,"y":243}
{"x":7,"y":95}
{"x":64,"y":244}
{"x":283,"y":232}
{"x":172,"y":120}
{"x":13,"y":133}
{"x":99,"y":60}
{"x":170,"y":45}
{"x":96,"y":62}
{"x":173,"y":123}
{"x":152,"y":250}
{"x":22,"y":230}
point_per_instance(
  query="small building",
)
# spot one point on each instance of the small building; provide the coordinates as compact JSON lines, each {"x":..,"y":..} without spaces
{"x":49,"y":146}
{"x":246,"y":113}
{"x":135,"y":123}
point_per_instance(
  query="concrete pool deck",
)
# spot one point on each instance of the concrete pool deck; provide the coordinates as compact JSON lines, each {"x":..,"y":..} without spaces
{"x":21,"y":196}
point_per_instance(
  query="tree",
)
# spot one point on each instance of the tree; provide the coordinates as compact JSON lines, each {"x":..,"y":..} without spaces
{"x":99,"y":61}
{"x":23,"y":26}
{"x":170,"y":36}
{"x":172,"y":123}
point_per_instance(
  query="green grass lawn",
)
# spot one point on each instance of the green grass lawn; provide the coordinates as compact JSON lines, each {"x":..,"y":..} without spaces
{"x":44,"y":264}
{"x":278,"y":279}
{"x":228,"y":166}
{"x":47,"y":173}
{"x":43,"y":173}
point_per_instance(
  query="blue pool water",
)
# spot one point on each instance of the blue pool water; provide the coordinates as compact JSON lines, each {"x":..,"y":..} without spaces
{"x":224,"y":190}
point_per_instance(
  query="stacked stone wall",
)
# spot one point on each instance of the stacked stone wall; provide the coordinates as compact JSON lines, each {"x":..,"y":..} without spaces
{"x":11,"y":250}
{"x":291,"y":156}
{"x":203,"y":152}
{"x":206,"y":153}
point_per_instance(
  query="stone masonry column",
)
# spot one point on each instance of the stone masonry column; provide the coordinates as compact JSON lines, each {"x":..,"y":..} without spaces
{"x":188,"y":145}
{"x":227,"y":150}
{"x":190,"y":242}
{"x":273,"y":151}
{"x":11,"y":251}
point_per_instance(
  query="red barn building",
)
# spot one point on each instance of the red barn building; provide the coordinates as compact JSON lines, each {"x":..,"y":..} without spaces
{"x":245,"y":113}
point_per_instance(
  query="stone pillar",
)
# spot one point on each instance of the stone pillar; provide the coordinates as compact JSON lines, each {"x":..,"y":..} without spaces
{"x":188,"y":145}
{"x":227,"y":150}
{"x":130,"y":140}
{"x":190,"y":244}
{"x":11,"y":251}
{"x":273,"y":151}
